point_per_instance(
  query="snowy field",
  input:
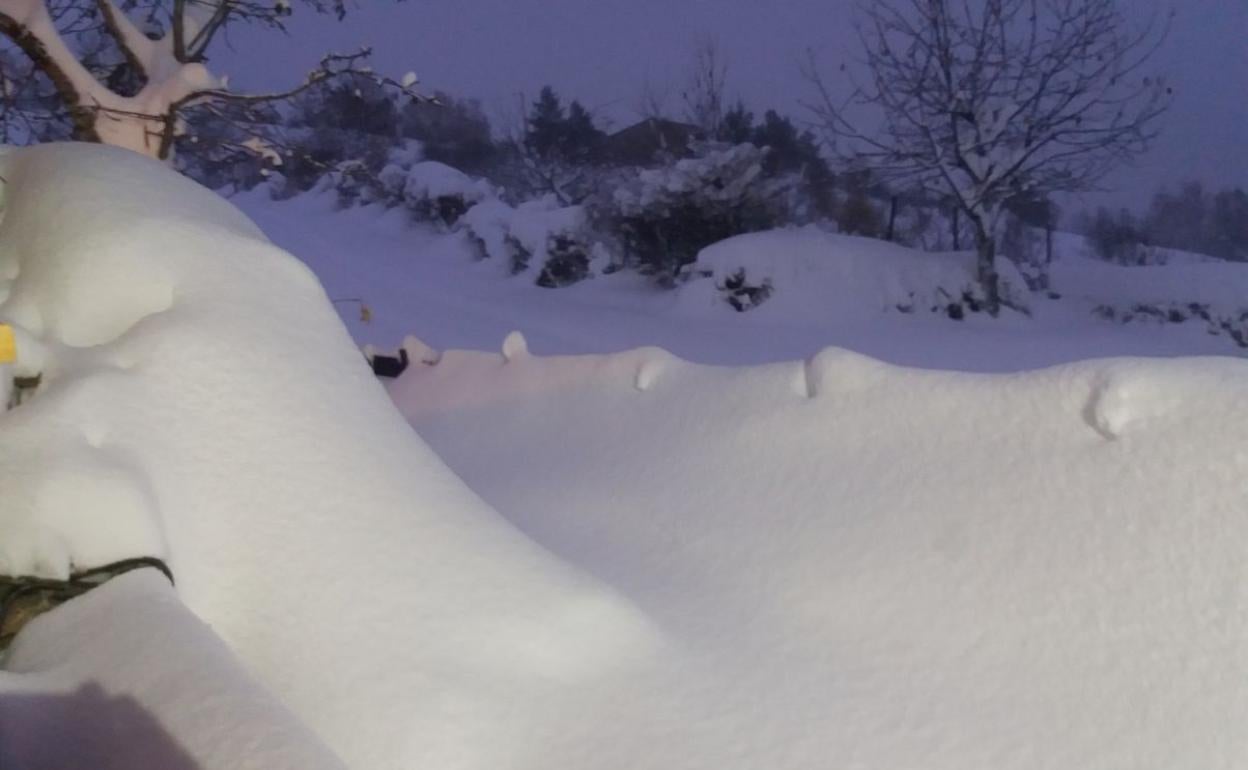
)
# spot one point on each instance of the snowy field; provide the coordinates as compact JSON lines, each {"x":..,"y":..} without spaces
{"x":418,"y":282}
{"x":670,"y":536}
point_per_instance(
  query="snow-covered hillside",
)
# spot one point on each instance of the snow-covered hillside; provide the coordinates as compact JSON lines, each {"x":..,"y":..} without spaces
{"x":830,"y":290}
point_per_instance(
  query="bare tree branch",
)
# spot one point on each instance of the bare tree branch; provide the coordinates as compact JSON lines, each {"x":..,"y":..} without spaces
{"x":985,"y":100}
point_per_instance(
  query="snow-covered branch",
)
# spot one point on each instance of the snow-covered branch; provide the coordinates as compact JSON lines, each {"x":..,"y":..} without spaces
{"x":169,"y":66}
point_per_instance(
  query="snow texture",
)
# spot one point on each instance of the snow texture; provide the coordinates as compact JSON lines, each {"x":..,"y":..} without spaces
{"x":97,"y":684}
{"x":202,"y":402}
{"x":674,"y":565}
{"x":890,"y":567}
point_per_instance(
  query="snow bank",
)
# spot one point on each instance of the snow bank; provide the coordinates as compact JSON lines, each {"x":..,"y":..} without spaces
{"x":889,"y":568}
{"x":125,"y":677}
{"x":201,"y":401}
{"x":815,"y":275}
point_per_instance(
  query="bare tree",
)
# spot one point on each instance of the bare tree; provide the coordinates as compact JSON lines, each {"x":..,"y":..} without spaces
{"x":164,"y":45}
{"x":704,"y":93}
{"x":652,"y":100}
{"x":984,"y":100}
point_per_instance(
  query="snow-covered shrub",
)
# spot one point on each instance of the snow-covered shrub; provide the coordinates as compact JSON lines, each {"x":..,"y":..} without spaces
{"x":431,"y":191}
{"x":567,"y":261}
{"x":435,"y":192}
{"x":487,"y":226}
{"x":1232,"y":324}
{"x":664,"y":216}
{"x":743,"y":295}
{"x":555,"y":240}
{"x":392,"y":178}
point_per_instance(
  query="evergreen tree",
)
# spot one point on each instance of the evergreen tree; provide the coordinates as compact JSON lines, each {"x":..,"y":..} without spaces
{"x":545,"y":125}
{"x":737,"y":127}
{"x":581,"y":138}
{"x":796,"y":152}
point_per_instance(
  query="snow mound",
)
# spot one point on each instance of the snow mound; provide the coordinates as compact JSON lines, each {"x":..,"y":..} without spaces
{"x":430,"y":179}
{"x":812,"y":274}
{"x":201,"y":401}
{"x":894,"y":567}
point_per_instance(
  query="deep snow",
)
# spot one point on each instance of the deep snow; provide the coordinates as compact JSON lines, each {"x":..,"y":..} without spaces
{"x":828,"y":559}
{"x":891,"y":568}
{"x":202,"y":402}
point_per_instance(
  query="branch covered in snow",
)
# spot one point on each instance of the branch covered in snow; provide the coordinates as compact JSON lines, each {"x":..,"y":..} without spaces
{"x":164,"y":56}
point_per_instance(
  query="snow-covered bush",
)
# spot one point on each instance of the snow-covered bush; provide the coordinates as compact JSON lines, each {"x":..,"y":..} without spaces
{"x":555,"y":240}
{"x":488,"y":227}
{"x":431,"y":191}
{"x":1234,"y":325}
{"x":435,"y":192}
{"x":742,"y":294}
{"x":665,"y":216}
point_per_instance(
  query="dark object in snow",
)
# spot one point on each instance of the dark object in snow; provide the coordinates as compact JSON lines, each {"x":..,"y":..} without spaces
{"x":23,"y":597}
{"x":389,"y":366}
{"x":954,"y":310}
{"x":742,"y":295}
{"x":23,"y":389}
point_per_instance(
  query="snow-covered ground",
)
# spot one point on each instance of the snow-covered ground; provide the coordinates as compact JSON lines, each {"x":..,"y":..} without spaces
{"x":890,"y":568}
{"x":616,"y":560}
{"x":417,"y":281}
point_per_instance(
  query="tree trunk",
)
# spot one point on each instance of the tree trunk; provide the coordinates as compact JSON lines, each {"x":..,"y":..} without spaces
{"x":986,"y":269}
{"x":892,"y":218}
{"x":1048,"y":253}
{"x":957,"y":228}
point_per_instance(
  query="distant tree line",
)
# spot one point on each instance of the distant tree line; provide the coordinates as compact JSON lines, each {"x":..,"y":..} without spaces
{"x":1188,"y":219}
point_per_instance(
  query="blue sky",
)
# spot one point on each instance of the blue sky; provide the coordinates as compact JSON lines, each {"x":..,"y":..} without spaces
{"x":601,"y":51}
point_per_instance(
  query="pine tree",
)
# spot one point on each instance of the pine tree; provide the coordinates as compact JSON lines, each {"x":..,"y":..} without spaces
{"x":581,"y":138}
{"x":545,"y":129}
{"x":737,"y":127}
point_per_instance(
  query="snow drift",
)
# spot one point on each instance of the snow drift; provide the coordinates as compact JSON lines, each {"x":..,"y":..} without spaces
{"x":201,"y":401}
{"x":826,"y":561}
{"x":817,"y":275}
{"x":885,"y":567}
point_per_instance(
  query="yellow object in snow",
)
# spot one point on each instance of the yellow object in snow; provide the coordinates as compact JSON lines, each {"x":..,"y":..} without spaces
{"x":8,"y":345}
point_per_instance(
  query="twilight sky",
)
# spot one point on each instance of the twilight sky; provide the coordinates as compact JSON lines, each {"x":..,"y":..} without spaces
{"x":601,"y":51}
